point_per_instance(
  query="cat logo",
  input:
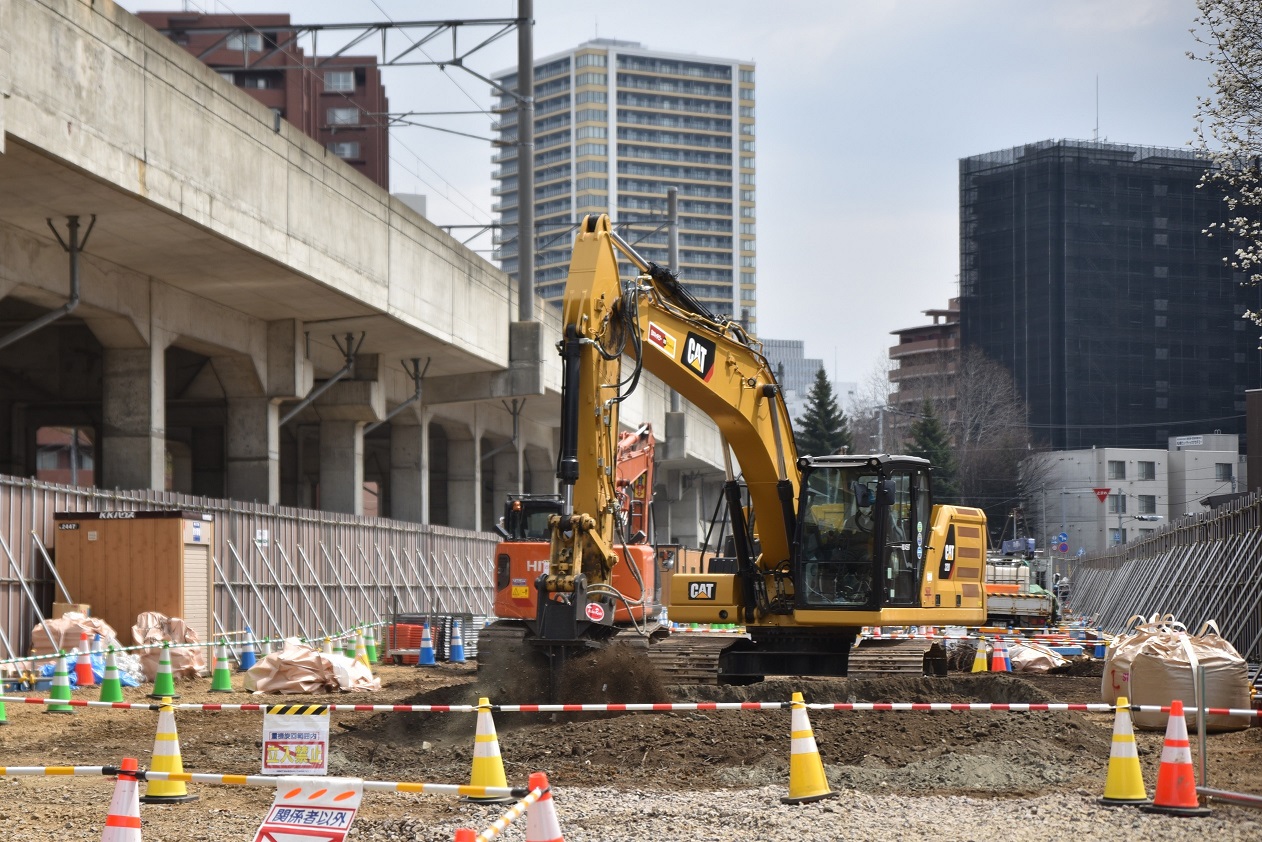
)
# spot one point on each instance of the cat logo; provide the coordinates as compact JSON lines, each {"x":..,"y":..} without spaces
{"x":699,"y":356}
{"x":701,"y":590}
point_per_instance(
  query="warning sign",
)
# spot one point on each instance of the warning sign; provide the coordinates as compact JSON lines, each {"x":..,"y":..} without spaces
{"x":296,"y":740}
{"x":312,"y":810}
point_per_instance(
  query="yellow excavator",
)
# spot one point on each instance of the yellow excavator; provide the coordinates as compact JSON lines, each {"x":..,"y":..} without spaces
{"x":824,"y":544}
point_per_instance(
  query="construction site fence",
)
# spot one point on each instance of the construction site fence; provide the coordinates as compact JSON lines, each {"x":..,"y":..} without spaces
{"x":280,"y":571}
{"x":1198,"y":568}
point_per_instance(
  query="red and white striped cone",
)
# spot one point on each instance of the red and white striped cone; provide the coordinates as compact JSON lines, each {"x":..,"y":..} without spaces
{"x":83,"y":676}
{"x":541,"y":817}
{"x":123,"y":822}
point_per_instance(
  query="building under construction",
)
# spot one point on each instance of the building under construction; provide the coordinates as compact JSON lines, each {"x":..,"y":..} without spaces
{"x":1084,"y":269}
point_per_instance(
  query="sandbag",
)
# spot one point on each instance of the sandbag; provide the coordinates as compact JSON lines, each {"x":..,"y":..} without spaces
{"x":1158,"y":663}
{"x":152,"y":629}
{"x":1121,"y":652}
{"x":66,"y":631}
{"x":298,"y":668}
{"x":1030,"y":657}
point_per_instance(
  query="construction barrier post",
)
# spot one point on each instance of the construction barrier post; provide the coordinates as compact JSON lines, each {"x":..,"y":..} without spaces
{"x":122,"y":824}
{"x":1176,"y":779}
{"x":1125,"y":781}
{"x":807,"y":781}
{"x":488,"y":765}
{"x":166,"y":758}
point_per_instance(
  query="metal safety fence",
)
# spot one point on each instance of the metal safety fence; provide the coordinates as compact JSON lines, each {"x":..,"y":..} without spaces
{"x":1205,"y":567}
{"x":281,"y":571}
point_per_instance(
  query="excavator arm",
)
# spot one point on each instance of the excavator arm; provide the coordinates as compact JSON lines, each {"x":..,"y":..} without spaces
{"x":653,"y":323}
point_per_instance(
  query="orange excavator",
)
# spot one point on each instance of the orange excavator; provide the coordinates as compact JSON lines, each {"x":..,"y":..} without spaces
{"x":522,"y":554}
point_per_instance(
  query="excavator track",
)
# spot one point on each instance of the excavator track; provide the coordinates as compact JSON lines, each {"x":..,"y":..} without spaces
{"x":690,"y":658}
{"x":880,"y":657}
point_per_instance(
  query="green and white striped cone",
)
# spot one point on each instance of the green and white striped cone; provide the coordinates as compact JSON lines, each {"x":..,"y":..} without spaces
{"x":164,"y":681}
{"x":4,"y":719}
{"x":348,"y":646}
{"x":111,"y":686}
{"x":370,"y":645}
{"x":221,"y":678}
{"x":61,"y":686}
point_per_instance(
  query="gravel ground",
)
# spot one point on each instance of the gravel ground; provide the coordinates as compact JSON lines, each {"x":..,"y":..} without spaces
{"x":698,"y":776}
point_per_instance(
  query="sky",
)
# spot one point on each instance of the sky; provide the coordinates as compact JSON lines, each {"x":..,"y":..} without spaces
{"x":863,"y":112}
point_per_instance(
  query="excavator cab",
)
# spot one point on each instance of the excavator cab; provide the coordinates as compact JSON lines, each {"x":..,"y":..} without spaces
{"x":861,"y":532}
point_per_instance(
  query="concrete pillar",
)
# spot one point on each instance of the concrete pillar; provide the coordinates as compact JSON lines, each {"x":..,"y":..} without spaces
{"x":133,"y":441}
{"x":505,"y":479}
{"x":342,"y":467}
{"x":464,"y":478}
{"x":408,"y":477}
{"x":253,"y":449}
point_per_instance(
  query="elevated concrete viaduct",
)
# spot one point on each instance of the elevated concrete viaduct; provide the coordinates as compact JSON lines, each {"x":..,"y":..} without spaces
{"x":232,"y":261}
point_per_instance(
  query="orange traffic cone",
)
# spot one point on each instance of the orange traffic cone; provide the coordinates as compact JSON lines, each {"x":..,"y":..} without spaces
{"x":1176,"y":779}
{"x":123,"y":822}
{"x":999,"y":658}
{"x":1125,"y":781}
{"x":488,"y":766}
{"x":541,"y":817}
{"x":807,"y":781}
{"x":83,"y":665}
{"x":466,"y":834}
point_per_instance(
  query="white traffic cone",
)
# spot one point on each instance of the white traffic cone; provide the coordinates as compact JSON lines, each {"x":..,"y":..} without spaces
{"x":123,"y":822}
{"x":541,"y":817}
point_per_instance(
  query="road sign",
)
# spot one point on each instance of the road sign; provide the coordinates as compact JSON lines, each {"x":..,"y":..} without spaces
{"x":1062,"y":538}
{"x":1062,"y":547}
{"x":1102,"y":494}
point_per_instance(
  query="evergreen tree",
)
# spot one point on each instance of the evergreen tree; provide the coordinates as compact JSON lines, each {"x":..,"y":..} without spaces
{"x":824,"y":429}
{"x":929,"y":440}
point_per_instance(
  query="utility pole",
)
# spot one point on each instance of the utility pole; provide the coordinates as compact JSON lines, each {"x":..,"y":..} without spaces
{"x":525,"y":161}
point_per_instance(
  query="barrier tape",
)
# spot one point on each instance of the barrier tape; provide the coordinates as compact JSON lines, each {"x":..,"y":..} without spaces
{"x":314,"y":642}
{"x":658,"y":707}
{"x":465,"y":790}
{"x":510,"y":815}
{"x":56,"y":770}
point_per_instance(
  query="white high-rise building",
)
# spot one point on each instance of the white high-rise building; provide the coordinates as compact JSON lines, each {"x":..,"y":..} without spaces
{"x":616,"y":125}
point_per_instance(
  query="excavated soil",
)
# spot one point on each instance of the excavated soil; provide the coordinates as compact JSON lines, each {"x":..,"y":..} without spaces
{"x":985,"y":755}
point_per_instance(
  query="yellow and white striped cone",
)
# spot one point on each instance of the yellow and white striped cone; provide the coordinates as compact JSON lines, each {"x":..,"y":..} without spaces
{"x":541,"y":817}
{"x":361,"y":651}
{"x":807,"y":781}
{"x":122,"y":823}
{"x":166,"y":758}
{"x":488,"y":766}
{"x":979,"y":659}
{"x":1125,"y":781}
{"x":327,"y":646}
